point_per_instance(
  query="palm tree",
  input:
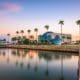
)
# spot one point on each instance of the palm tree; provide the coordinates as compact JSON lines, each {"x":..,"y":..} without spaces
{"x":36,"y":30}
{"x":17,"y":32}
{"x":29,"y":31}
{"x":8,"y":37}
{"x":61,"y":22}
{"x":78,"y":23}
{"x":22,"y":32}
{"x":8,"y":34}
{"x":46,"y":27}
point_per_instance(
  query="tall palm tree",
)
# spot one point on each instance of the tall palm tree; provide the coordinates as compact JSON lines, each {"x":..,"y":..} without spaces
{"x":61,"y":22}
{"x":17,"y":32}
{"x":29,"y":31}
{"x":8,"y":37}
{"x":8,"y":34}
{"x":78,"y":23}
{"x":22,"y":32}
{"x":46,"y":27}
{"x":36,"y":30}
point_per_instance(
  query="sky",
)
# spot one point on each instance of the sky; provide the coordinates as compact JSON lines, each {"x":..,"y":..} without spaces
{"x":29,"y":14}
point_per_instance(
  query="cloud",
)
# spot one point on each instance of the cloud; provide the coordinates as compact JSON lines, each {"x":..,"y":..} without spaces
{"x":12,"y":7}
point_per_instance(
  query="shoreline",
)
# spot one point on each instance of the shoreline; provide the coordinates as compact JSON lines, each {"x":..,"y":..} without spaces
{"x":56,"y":48}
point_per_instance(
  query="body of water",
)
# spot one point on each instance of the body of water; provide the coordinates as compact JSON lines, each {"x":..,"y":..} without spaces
{"x":22,"y":64}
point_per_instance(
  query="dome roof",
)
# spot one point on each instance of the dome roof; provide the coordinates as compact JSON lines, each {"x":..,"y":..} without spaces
{"x":48,"y":36}
{"x":48,"y":33}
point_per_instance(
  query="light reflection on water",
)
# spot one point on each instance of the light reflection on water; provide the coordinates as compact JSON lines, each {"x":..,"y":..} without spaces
{"x":22,"y":64}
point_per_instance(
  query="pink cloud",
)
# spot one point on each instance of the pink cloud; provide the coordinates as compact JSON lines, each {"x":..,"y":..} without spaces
{"x":10,"y":7}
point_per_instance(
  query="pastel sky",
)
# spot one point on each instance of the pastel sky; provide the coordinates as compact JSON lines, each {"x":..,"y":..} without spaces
{"x":28,"y":14}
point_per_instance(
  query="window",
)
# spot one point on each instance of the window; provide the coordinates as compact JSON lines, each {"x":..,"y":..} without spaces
{"x":68,"y":37}
{"x":63,"y":37}
{"x":57,"y":37}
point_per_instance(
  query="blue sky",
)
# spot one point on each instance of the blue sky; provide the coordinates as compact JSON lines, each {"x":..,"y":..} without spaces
{"x":28,"y":14}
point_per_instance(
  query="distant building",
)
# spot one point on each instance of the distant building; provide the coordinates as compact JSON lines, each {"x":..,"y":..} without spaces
{"x":54,"y":38}
{"x":6,"y":40}
{"x":2,"y":41}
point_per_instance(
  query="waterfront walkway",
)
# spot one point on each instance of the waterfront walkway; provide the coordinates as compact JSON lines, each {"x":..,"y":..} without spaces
{"x":59,"y":48}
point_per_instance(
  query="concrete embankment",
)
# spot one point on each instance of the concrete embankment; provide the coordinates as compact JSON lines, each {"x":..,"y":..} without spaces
{"x":59,"y":48}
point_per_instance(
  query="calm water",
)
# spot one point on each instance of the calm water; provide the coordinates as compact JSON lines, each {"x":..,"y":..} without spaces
{"x":19,"y":64}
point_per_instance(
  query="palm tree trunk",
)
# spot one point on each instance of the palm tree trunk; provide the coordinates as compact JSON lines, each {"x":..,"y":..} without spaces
{"x":22,"y":38}
{"x":79,"y":30}
{"x":36,"y":38}
{"x":61,"y":31}
{"x":16,"y":38}
{"x":28,"y":38}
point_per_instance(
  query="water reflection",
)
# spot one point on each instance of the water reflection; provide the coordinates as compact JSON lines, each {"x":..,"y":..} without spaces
{"x":37,"y":65}
{"x":78,"y":69}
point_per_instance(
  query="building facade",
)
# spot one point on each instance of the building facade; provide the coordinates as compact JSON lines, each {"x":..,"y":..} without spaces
{"x":54,"y":38}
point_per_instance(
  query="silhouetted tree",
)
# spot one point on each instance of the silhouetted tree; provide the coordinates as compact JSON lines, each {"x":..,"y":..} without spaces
{"x":17,"y":32}
{"x":78,"y":23}
{"x":29,"y":31}
{"x":22,"y":32}
{"x":36,"y":30}
{"x":46,"y":27}
{"x":61,"y":22}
